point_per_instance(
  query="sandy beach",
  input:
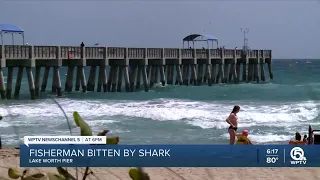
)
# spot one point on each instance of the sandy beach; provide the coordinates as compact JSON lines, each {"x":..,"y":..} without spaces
{"x":10,"y":158}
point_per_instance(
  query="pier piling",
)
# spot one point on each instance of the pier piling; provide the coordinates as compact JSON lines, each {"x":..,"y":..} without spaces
{"x":45,"y":79}
{"x":126,"y":78}
{"x":31,"y":83}
{"x":114,"y":78}
{"x":145,"y":78}
{"x":37,"y":81}
{"x":83,"y":80}
{"x":120,"y":77}
{"x":18,"y":82}
{"x":78,"y":79}
{"x":139,"y":71}
{"x":57,"y":81}
{"x":2,"y":87}
{"x":9,"y":82}
{"x":100,"y":78}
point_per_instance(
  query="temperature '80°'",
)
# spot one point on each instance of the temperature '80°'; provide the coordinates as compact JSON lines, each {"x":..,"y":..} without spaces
{"x":272,"y":160}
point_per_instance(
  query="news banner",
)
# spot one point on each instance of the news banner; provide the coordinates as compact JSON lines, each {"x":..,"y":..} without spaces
{"x":92,"y":151}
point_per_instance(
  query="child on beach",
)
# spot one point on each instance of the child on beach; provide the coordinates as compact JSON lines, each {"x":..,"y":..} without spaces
{"x":305,"y":139}
{"x":243,"y":138}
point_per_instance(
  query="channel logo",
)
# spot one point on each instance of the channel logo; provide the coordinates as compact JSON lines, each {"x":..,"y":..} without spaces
{"x":297,"y":155}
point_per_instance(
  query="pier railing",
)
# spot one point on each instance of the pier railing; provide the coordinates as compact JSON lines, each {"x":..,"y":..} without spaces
{"x":76,"y":52}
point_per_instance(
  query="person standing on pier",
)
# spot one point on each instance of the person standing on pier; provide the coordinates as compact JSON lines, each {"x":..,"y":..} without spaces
{"x":81,"y":45}
{"x":232,"y":120}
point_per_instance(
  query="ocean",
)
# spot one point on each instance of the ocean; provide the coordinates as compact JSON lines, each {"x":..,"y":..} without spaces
{"x":272,"y":112}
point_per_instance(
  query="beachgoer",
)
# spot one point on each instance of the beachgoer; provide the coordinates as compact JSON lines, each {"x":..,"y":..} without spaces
{"x":232,"y":120}
{"x":297,"y":140}
{"x":305,"y":139}
{"x":243,"y":138}
{"x":298,"y":136}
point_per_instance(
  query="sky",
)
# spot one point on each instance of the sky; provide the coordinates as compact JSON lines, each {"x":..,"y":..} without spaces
{"x":290,"y":28}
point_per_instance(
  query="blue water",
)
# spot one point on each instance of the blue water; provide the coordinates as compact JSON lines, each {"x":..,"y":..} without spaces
{"x":272,"y":112}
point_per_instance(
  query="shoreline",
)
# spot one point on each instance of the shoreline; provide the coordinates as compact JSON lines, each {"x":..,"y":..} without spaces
{"x":11,"y":158}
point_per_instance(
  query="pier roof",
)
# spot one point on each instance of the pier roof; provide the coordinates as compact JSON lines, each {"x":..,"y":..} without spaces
{"x":200,"y":37}
{"x":10,"y":28}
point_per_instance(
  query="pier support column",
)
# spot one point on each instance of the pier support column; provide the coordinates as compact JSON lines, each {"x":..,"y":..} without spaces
{"x":208,"y":74}
{"x":256,"y":71}
{"x":178,"y":75}
{"x":100,"y":78}
{"x":233,"y":73}
{"x":104,"y":79}
{"x":126,"y":78}
{"x":78,"y":79}
{"x":83,"y":80}
{"x":9,"y":82}
{"x":230,"y":73}
{"x":220,"y":74}
{"x":18,"y":83}
{"x":31,"y":83}
{"x":2,"y":87}
{"x":156,"y":74}
{"x":213,"y":72}
{"x":120,"y":77}
{"x":162,"y":75}
{"x":54,"y":81}
{"x":37,"y":81}
{"x":185,"y":74}
{"x":205,"y":74}
{"x":170,"y":74}
{"x":245,"y":69}
{"x":145,"y":78}
{"x":45,"y":79}
{"x":270,"y":70}
{"x":139,"y":75}
{"x":194,"y":74}
{"x":263,"y":78}
{"x":115,"y":70}
{"x":261,"y":63}
{"x":238,"y":71}
{"x":69,"y":80}
{"x":109,"y":82}
{"x":92,"y":78}
{"x":56,"y":74}
{"x":251,"y":72}
{"x":200,"y":74}
{"x":152,"y":75}
{"x":226,"y":71}
{"x":133,"y":76}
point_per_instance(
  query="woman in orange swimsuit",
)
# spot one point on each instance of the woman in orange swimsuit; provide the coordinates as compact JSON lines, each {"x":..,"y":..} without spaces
{"x":232,"y":120}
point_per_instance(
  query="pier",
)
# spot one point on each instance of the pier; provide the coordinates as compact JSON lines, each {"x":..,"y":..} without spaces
{"x":130,"y":69}
{"x":135,"y":68}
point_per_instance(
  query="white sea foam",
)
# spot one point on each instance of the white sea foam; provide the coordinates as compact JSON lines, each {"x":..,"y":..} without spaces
{"x":266,"y":138}
{"x":205,"y":115}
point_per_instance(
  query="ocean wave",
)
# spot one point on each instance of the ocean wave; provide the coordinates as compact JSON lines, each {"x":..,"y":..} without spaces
{"x":203,"y":115}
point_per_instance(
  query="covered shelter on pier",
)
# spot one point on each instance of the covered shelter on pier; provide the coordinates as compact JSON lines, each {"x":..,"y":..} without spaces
{"x":11,"y":29}
{"x":210,"y":39}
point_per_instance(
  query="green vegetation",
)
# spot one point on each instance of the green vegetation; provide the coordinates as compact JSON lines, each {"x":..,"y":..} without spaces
{"x":63,"y":174}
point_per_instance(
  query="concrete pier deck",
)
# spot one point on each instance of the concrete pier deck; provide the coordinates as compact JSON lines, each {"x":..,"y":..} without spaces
{"x":131,"y":67}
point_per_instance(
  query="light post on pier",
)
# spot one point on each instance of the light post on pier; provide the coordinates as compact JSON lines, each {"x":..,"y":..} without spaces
{"x":245,"y":39}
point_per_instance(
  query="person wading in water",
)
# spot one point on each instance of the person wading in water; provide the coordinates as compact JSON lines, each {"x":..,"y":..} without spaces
{"x":232,"y":120}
